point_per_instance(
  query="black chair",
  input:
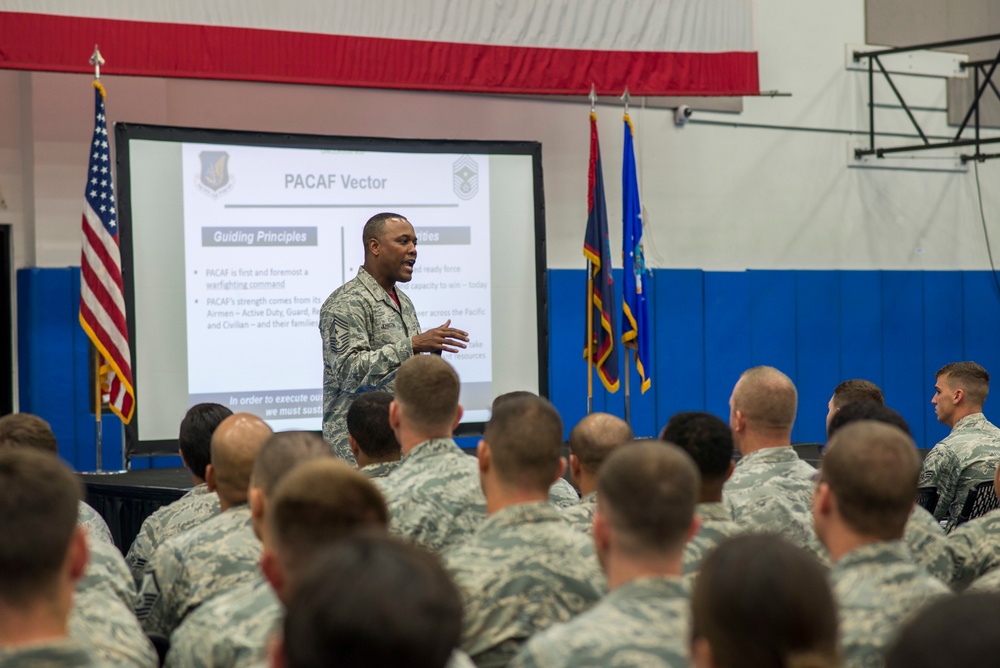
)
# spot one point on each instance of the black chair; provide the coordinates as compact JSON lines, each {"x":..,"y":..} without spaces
{"x":927,"y":497}
{"x":810,"y":453}
{"x":981,"y":500}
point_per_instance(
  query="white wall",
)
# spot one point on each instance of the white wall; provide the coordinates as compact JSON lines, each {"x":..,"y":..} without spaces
{"x":715,"y":197}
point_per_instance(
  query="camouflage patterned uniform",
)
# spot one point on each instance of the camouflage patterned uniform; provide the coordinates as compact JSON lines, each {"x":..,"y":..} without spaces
{"x":974,"y":548}
{"x":641,"y":623}
{"x":929,"y":545}
{"x":232,"y":629}
{"x":563,"y":494}
{"x":366,"y":337}
{"x":878,"y":588}
{"x":434,"y":495}
{"x":53,"y":654}
{"x":581,"y":514}
{"x":106,"y":569}
{"x":193,"y":566}
{"x":101,"y":621}
{"x":524,"y":570}
{"x":988,"y":583}
{"x":97,"y":528}
{"x":378,"y":473}
{"x":716,"y":525}
{"x":969,"y":454}
{"x":190,"y":510}
{"x":771,"y":490}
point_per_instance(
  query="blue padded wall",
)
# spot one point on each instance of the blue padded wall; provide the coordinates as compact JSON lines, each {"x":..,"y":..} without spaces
{"x":52,"y":367}
{"x":895,"y":328}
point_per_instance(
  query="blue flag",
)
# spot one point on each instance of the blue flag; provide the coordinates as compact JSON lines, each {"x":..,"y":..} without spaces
{"x":601,"y":346}
{"x":635,"y":326}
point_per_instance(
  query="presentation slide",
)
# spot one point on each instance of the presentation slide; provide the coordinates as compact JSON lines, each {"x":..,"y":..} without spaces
{"x":232,"y":244}
{"x":261,"y":261}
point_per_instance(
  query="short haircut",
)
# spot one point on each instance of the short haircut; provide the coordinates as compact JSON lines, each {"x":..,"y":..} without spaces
{"x":318,"y":503}
{"x":767,"y":398}
{"x":865,"y":410}
{"x":872,"y":470}
{"x":236,"y":443}
{"x":707,"y":439}
{"x":595,"y":437}
{"x":195,"y":439}
{"x":854,"y":390}
{"x":525,"y":438}
{"x":39,"y":504}
{"x":427,"y":390}
{"x":373,"y":600}
{"x":24,"y":430}
{"x":648,"y":491}
{"x":284,"y":451}
{"x":368,"y":423}
{"x":507,"y":396}
{"x":969,"y":376}
{"x":969,"y":622}
{"x":375,"y":227}
{"x":761,"y":601}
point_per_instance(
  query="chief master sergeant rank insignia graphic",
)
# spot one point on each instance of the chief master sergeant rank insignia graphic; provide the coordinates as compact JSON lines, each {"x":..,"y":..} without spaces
{"x":466,"y":180}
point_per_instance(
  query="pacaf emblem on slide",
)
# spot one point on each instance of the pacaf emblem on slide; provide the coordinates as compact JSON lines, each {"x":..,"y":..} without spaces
{"x":466,"y":177}
{"x":215,"y":178}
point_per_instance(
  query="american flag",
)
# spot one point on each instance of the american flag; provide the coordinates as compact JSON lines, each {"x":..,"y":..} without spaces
{"x":102,"y":304}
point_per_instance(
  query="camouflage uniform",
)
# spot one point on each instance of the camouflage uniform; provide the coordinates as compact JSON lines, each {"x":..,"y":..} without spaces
{"x":522,"y":571}
{"x":52,"y":654}
{"x":106,"y":570}
{"x":190,"y":510}
{"x":878,"y":588}
{"x":434,"y":495}
{"x":974,"y":548}
{"x":641,"y":623}
{"x":716,"y":525}
{"x":97,"y":528}
{"x":232,"y":629}
{"x":563,"y":494}
{"x":366,"y":337}
{"x":581,"y":514}
{"x":929,"y":545}
{"x":986,"y":584}
{"x":378,"y":473}
{"x":98,"y":619}
{"x":191,"y":567}
{"x":969,"y":454}
{"x":771,"y":490}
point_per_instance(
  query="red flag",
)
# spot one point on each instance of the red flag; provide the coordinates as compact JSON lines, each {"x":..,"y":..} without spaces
{"x":601,"y":348}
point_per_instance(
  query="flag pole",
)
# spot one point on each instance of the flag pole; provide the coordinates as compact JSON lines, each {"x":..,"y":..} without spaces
{"x":628,"y":402}
{"x":590,"y":301}
{"x":590,"y":338}
{"x":96,"y":59}
{"x":626,"y":97}
{"x":98,"y":427}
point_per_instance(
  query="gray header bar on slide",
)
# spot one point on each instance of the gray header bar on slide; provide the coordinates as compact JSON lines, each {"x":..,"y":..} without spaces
{"x":258,"y":236}
{"x":444,"y":236}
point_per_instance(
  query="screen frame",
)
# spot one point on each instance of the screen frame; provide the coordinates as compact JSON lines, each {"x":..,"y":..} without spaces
{"x":124,"y":132}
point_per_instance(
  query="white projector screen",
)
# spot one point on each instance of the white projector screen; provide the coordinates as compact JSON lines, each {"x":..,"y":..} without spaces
{"x":231,"y":242}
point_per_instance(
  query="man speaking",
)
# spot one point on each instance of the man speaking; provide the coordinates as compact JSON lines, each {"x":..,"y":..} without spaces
{"x":369,"y":327}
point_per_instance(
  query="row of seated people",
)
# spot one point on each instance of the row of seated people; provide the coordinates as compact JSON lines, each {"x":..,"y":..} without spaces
{"x":222,"y":575}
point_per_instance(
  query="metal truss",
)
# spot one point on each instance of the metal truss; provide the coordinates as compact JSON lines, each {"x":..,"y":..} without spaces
{"x":982,"y":76}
